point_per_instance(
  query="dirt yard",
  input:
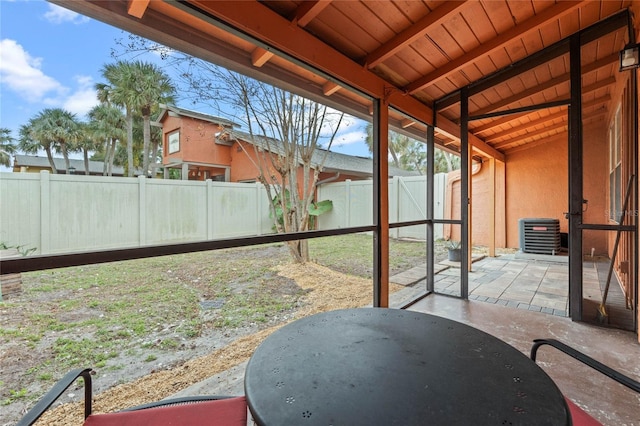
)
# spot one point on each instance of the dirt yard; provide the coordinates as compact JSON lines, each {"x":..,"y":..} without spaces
{"x":313,"y":288}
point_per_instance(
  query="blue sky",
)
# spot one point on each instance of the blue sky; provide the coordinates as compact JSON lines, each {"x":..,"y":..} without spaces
{"x":51,"y":57}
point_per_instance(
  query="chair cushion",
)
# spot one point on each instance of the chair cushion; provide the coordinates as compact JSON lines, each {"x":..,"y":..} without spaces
{"x":579,"y":416}
{"x":221,"y":412}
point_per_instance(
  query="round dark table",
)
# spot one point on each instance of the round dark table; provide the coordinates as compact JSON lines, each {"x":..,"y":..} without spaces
{"x":374,"y":366}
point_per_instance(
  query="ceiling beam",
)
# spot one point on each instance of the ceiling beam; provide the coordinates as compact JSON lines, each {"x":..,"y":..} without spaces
{"x":560,"y":114}
{"x":137,"y":7}
{"x":407,"y":123}
{"x":260,"y":56}
{"x":585,"y":90}
{"x":329,"y":88}
{"x":485,"y":48}
{"x":500,"y":121}
{"x":529,"y":135}
{"x":586,"y":69}
{"x":511,"y":117}
{"x":185,"y":28}
{"x":258,"y":22}
{"x":557,"y":138}
{"x":412,"y":33}
{"x":617,"y":21}
{"x":307,"y":11}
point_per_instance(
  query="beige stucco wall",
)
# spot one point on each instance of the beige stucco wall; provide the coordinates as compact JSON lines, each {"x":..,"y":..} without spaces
{"x":536,"y":185}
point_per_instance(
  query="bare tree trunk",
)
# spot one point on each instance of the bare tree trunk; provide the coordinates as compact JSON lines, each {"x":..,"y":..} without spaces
{"x":86,"y":162}
{"x":105,"y":161}
{"x":47,"y":149}
{"x":130,"y":167}
{"x":65,"y":155}
{"x":112,"y":156}
{"x":146,"y":137}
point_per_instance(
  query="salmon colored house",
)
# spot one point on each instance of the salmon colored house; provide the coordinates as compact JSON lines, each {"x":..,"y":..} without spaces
{"x":201,"y":147}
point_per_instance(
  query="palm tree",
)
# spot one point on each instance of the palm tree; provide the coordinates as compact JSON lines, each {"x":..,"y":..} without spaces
{"x":88,"y":141}
{"x":107,"y":123}
{"x":52,"y":129}
{"x":120,"y":91}
{"x":136,"y":86}
{"x":31,"y":141}
{"x":60,"y":127}
{"x":7,"y":146}
{"x":154,"y":87}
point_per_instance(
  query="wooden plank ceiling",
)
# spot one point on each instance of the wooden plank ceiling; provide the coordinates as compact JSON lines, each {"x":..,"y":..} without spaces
{"x":415,"y":53}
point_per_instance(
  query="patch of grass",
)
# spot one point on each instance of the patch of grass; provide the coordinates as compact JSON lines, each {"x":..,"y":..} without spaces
{"x":23,"y":334}
{"x":95,"y":313}
{"x":353,"y":254}
{"x":45,"y":376}
{"x":168,"y":344}
{"x":255,"y":308}
{"x":70,"y":352}
{"x":15,"y":395}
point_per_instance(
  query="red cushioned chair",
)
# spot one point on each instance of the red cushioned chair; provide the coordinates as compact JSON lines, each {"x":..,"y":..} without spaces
{"x":198,"y":410}
{"x":578,"y":415}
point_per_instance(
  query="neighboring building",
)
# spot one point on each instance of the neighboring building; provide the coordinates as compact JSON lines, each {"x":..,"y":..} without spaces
{"x":35,"y":164}
{"x":204,"y":147}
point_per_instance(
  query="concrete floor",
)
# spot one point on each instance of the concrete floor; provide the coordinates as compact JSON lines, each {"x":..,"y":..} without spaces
{"x":610,"y":403}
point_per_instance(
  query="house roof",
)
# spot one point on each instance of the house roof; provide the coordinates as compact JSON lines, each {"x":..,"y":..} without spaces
{"x":167,"y":110}
{"x":95,"y":167}
{"x":334,"y":162}
{"x":414,"y":55}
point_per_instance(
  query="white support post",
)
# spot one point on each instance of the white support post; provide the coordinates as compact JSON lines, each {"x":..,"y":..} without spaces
{"x":142,"y":218}
{"x":45,"y":212}
{"x":211,"y":231}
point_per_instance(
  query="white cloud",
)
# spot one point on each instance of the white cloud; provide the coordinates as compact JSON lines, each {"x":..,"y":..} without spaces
{"x":83,"y":99}
{"x":352,"y":137}
{"x":60,"y":15}
{"x":21,"y":72}
{"x":351,"y":131}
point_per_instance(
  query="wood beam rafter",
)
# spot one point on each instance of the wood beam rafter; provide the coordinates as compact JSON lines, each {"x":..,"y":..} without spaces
{"x":259,"y":22}
{"x":506,"y":119}
{"x":137,"y":7}
{"x":407,"y":123}
{"x":551,"y":13}
{"x":308,"y":10}
{"x":560,"y":114}
{"x":592,"y":67}
{"x":412,"y":33}
{"x":559,"y":126}
{"x":260,"y":56}
{"x":329,"y":88}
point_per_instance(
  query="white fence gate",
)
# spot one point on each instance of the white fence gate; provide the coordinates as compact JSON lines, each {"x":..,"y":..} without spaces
{"x":353,"y":204}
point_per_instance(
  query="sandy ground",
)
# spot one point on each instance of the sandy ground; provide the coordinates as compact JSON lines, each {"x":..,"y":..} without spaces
{"x":326,"y":290}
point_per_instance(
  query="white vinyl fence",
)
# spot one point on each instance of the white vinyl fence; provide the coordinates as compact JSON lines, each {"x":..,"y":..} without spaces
{"x":69,"y":213}
{"x":353,"y":201}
